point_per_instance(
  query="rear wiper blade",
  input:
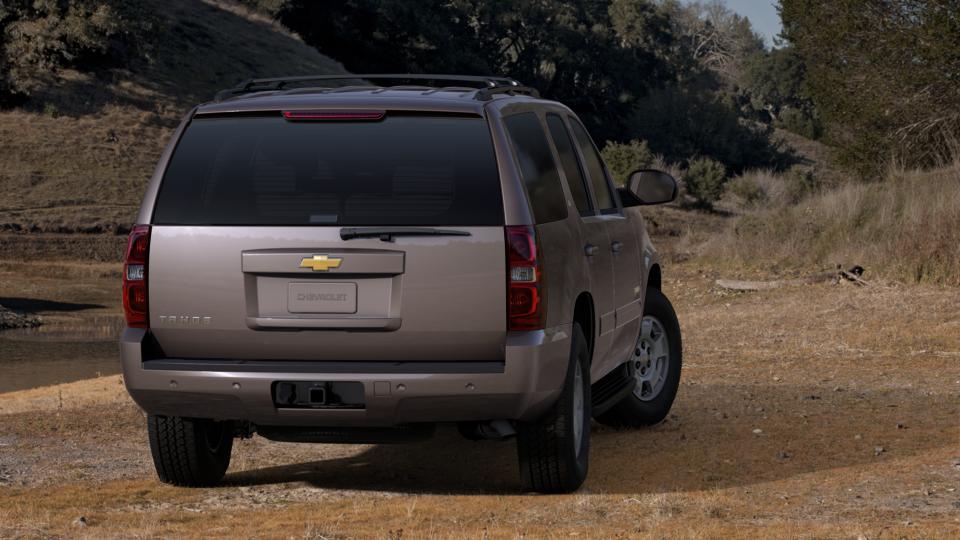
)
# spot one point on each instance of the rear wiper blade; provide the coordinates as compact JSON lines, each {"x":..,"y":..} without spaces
{"x":387,"y":234}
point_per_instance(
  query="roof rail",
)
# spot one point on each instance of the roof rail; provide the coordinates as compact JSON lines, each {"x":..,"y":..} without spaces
{"x":490,"y":85}
{"x":486,"y":94}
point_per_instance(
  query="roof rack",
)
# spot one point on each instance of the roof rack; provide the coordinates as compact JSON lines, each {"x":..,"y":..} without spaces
{"x":486,"y":94}
{"x":490,"y":85}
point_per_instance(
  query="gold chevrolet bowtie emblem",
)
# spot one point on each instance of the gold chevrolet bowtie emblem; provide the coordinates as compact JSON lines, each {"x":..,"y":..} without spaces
{"x":320,"y":263}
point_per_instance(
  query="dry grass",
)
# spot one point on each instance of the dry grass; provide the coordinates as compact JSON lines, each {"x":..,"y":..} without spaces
{"x":827,"y":373}
{"x":76,"y":158}
{"x":906,"y":227}
{"x":759,"y":188}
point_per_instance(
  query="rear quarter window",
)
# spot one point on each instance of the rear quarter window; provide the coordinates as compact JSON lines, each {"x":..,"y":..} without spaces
{"x":537,"y":167}
{"x":407,"y":169}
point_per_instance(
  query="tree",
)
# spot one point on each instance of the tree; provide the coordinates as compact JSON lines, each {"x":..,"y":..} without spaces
{"x":611,"y":61}
{"x":683,"y":121}
{"x":713,"y":36}
{"x":565,"y":48}
{"x":885,"y":76}
{"x":38,"y":37}
{"x":775,"y":83}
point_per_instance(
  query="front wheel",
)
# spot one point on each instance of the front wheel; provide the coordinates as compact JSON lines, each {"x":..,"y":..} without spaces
{"x":554,"y":450}
{"x":656,"y":359}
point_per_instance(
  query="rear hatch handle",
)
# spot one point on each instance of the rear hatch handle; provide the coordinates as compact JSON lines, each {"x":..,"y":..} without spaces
{"x":387,"y":234}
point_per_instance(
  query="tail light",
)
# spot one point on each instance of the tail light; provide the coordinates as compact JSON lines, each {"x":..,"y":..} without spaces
{"x":525,"y":288}
{"x":135,"y":277}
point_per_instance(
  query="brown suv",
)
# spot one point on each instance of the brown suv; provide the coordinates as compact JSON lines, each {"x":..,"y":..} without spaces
{"x":322,"y":260}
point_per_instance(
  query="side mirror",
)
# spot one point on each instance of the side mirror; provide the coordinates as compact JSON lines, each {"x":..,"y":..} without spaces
{"x":648,"y":186}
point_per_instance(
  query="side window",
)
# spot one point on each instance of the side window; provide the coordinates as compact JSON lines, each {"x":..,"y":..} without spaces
{"x":537,"y":167}
{"x":568,"y":160}
{"x":594,"y":166}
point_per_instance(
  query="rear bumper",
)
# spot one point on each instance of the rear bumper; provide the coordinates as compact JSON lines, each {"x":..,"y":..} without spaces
{"x":521,"y":387}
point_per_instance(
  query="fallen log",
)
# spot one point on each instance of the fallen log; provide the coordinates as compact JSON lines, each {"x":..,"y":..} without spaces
{"x":852,"y":275}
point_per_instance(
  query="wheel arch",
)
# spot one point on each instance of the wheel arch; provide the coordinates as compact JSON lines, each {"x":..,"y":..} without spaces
{"x":654,"y":278}
{"x":583,"y":314}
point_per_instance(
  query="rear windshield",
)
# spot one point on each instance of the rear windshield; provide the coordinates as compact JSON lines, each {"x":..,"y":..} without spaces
{"x":402,"y":170}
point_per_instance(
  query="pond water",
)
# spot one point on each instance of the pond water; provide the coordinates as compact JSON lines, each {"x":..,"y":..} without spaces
{"x":92,"y":328}
{"x":60,"y":350}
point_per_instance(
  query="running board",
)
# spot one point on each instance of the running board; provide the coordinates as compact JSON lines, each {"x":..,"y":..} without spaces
{"x":612,"y":388}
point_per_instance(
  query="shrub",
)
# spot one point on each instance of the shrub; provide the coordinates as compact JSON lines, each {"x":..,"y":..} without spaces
{"x":800,"y":122}
{"x":747,"y":189}
{"x":704,"y":180}
{"x":800,"y":182}
{"x":770,"y":189}
{"x":624,"y":158}
{"x":39,"y":37}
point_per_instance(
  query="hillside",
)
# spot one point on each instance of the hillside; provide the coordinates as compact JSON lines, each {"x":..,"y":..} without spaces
{"x":77,"y":156}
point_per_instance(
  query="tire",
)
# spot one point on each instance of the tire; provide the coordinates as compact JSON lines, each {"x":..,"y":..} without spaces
{"x":554,"y":453}
{"x":190,"y":452}
{"x":633,"y":411}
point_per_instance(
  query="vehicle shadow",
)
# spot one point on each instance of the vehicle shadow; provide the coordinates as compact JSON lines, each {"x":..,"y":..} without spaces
{"x":707,"y":442}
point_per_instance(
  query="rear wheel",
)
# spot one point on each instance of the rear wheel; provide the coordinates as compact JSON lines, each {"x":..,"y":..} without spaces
{"x":188,"y":451}
{"x":554,"y":450}
{"x":656,"y":359}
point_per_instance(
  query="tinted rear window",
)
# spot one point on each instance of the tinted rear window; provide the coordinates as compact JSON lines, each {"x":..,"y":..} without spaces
{"x":402,"y":170}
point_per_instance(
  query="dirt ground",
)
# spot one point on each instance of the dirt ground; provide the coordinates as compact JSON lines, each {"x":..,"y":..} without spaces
{"x":818,"y":411}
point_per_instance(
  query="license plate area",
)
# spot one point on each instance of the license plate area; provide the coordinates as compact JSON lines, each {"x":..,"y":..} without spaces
{"x":326,"y":297}
{"x":318,"y":395}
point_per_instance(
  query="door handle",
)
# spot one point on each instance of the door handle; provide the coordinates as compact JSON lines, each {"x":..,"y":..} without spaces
{"x":616,"y":246}
{"x":590,"y":250}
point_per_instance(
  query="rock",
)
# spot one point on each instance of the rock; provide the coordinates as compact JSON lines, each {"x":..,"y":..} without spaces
{"x":857,"y":437}
{"x":757,"y":431}
{"x":784,"y":455}
{"x":776,"y":379}
{"x":12,"y":319}
{"x":879,"y":450}
{"x":80,"y":522}
{"x":901,"y":426}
